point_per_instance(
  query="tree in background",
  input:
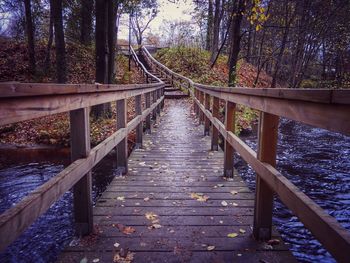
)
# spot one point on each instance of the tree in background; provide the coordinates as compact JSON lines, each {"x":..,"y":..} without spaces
{"x":105,"y":39}
{"x":141,"y":17}
{"x":30,"y":35}
{"x":60,"y":46}
{"x":86,"y":9}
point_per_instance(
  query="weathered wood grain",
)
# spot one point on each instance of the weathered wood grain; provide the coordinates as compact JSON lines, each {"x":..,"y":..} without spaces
{"x":158,"y":183}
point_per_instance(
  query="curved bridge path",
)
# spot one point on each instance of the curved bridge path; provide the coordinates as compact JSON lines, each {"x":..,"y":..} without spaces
{"x":174,"y":204}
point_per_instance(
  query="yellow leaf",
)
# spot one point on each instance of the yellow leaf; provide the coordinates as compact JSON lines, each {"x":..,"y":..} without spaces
{"x":232,"y":235}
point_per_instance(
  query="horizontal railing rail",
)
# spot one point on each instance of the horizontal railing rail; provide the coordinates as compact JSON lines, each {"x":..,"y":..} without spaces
{"x":328,"y":109}
{"x":20,"y":102}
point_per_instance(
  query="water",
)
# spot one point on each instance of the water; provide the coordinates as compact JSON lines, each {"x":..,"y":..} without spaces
{"x":317,"y":162}
{"x":20,"y":173}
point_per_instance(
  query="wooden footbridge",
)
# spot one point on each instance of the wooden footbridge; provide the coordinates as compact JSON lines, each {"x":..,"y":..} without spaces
{"x":179,"y":199}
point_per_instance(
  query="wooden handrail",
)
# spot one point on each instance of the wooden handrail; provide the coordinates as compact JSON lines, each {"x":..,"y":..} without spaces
{"x":25,"y":101}
{"x":329,"y":109}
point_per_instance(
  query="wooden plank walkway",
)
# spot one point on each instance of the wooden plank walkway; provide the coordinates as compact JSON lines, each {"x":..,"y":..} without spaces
{"x":153,"y":214}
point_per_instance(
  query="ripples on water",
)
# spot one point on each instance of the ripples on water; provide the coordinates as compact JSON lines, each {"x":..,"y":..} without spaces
{"x":42,"y":241}
{"x":318,"y":162}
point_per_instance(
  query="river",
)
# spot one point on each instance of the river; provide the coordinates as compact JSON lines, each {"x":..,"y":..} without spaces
{"x":315,"y":160}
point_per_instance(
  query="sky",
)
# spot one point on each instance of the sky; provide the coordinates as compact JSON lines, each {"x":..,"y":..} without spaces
{"x":167,"y":11}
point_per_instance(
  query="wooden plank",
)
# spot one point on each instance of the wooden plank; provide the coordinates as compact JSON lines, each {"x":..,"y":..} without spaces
{"x":14,"y":221}
{"x":333,"y":117}
{"x":14,"y":89}
{"x":20,"y":109}
{"x":267,"y":150}
{"x":230,"y":113}
{"x":309,"y":213}
{"x":310,"y":95}
{"x":215,"y":133}
{"x":139,"y":129}
{"x":182,"y":255}
{"x":82,"y":190}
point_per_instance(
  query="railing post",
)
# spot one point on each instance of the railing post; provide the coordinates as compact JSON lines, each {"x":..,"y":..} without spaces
{"x":158,"y":106}
{"x":201,"y":113}
{"x":206,"y":120}
{"x":162,"y":94}
{"x":122,"y":147}
{"x":148,"y":117}
{"x":267,"y":149}
{"x":139,"y":128}
{"x":82,"y":190}
{"x":215,"y":132}
{"x":154,"y":99}
{"x":230,"y":113}
{"x":196,"y":106}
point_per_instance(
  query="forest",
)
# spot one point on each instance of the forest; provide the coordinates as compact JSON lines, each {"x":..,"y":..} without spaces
{"x":299,"y":43}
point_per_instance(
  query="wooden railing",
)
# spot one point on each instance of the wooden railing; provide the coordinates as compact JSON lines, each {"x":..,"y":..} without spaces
{"x":25,"y":101}
{"x":328,"y":109}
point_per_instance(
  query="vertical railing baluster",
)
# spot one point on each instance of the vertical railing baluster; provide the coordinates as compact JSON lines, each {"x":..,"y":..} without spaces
{"x":215,"y":132}
{"x":230,"y":113}
{"x":82,"y":190}
{"x":158,"y":97}
{"x":154,"y":99}
{"x":206,"y":121}
{"x":139,"y":128}
{"x":148,"y":117}
{"x":201,"y":113}
{"x":267,"y":150}
{"x":122,"y":147}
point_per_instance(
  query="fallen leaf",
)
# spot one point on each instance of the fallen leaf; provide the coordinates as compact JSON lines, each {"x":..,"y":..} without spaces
{"x":146,"y":199}
{"x":220,"y":185}
{"x":151,"y":216}
{"x":210,"y":248}
{"x":125,"y":229}
{"x":242,"y":231}
{"x":234,"y":204}
{"x":199,"y":197}
{"x":224,"y":203}
{"x":123,"y":257}
{"x":116,"y":245}
{"x":120,"y":198}
{"x":128,"y":230}
{"x":232,"y":235}
{"x":95,"y":260}
{"x":234,"y":192}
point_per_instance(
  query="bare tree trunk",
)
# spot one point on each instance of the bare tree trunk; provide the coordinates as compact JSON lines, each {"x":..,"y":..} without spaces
{"x":61,"y":67}
{"x":30,"y":35}
{"x":86,"y":22}
{"x":209,"y":25}
{"x":49,"y":42}
{"x":287,"y":24}
{"x":216,"y":31}
{"x":235,"y":43}
{"x":101,"y":51}
{"x":112,"y":14}
{"x":249,"y":44}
